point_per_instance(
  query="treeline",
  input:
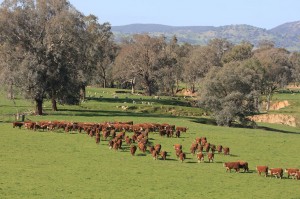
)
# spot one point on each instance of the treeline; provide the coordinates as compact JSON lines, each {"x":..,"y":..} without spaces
{"x":51,"y":51}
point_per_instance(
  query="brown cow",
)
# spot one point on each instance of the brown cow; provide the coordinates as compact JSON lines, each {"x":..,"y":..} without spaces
{"x":128,"y":140}
{"x":210,"y":157}
{"x":163,"y":155}
{"x":182,"y":129}
{"x":132,"y":149}
{"x":142,"y":147}
{"x":200,"y":157}
{"x":226,"y":150}
{"x":157,"y":148}
{"x":181,"y":156}
{"x":219,"y":148}
{"x":18,"y":124}
{"x":177,"y":134}
{"x":243,"y":165}
{"x":297,"y":175}
{"x":154,"y":154}
{"x":291,"y":172}
{"x":232,"y":165}
{"x":262,"y":169}
{"x":97,"y":138}
{"x":177,"y":146}
{"x":178,"y":152}
{"x":277,"y":172}
{"x":111,"y":144}
{"x":105,"y":134}
{"x":193,"y":148}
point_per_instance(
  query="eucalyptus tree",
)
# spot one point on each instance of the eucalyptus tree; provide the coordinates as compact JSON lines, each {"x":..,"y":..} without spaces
{"x":41,"y":43}
{"x":277,"y":70}
{"x":99,"y":53}
{"x":142,"y":59}
{"x":295,"y":63}
{"x":231,"y":92}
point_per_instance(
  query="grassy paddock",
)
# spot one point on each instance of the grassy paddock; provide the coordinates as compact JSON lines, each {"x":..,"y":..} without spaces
{"x":59,"y":165}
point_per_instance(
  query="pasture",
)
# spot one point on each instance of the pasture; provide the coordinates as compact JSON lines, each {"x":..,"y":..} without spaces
{"x":37,"y":164}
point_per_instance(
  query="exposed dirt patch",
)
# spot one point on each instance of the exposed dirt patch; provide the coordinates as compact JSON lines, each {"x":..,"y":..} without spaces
{"x":186,"y":92}
{"x":275,"y":118}
{"x":279,"y":105}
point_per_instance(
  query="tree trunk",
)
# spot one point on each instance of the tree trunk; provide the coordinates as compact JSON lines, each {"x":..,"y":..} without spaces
{"x":268,"y":102}
{"x":82,"y":93}
{"x":54,"y":104}
{"x":39,"y":107}
{"x":133,"y":86}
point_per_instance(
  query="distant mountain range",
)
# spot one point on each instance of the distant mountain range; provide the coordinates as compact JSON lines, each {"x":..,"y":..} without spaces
{"x":286,"y":35}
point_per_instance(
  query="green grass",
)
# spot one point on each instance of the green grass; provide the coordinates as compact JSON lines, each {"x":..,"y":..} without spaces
{"x":36,"y":164}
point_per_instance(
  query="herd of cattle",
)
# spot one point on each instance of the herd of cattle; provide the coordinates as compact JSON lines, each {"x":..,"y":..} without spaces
{"x":115,"y":134}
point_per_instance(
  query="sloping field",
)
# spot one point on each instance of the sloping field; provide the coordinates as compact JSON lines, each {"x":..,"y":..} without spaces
{"x":37,"y":164}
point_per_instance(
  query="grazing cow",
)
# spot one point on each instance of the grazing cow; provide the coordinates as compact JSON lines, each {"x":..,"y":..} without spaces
{"x":297,"y":175}
{"x":128,"y":140}
{"x":97,"y":138}
{"x":162,"y":132}
{"x":163,"y":155}
{"x":157,"y":148}
{"x":200,"y":157}
{"x":291,"y":172}
{"x":210,"y":157}
{"x":178,"y":152}
{"x":193,"y":148}
{"x":177,"y":134}
{"x":200,"y":148}
{"x":212,"y":148}
{"x":277,"y":172}
{"x":116,"y":146}
{"x":243,"y":165}
{"x":132,"y":149}
{"x":262,"y":169}
{"x":151,"y":149}
{"x":154,"y":154}
{"x":182,"y":129}
{"x":182,"y":156}
{"x":18,"y":124}
{"x":105,"y":134}
{"x":111,"y":144}
{"x":207,"y":147}
{"x":232,"y":165}
{"x":198,"y":140}
{"x":219,"y":148}
{"x":177,"y":146}
{"x":142,"y":147}
{"x":226,"y":150}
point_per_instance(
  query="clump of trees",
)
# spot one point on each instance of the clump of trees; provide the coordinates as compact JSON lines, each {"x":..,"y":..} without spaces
{"x":51,"y":51}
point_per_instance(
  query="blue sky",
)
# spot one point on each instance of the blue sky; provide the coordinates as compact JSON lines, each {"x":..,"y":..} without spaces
{"x":261,"y":13}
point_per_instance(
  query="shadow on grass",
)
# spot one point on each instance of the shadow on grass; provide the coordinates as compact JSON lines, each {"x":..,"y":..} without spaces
{"x":212,"y":122}
{"x":94,"y":113}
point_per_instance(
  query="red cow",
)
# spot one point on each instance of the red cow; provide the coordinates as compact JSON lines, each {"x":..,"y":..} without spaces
{"x":193,"y":148}
{"x":154,"y":154}
{"x":132,"y":149}
{"x":226,"y":150}
{"x":207,"y":147}
{"x":210,"y":157}
{"x":232,"y":165}
{"x":182,"y":129}
{"x":262,"y":169}
{"x":181,"y":156}
{"x":163,"y":154}
{"x":157,"y":148}
{"x":18,"y":124}
{"x":97,"y":138}
{"x":105,"y":134}
{"x":291,"y":172}
{"x":111,"y":144}
{"x":142,"y":147}
{"x":177,"y":134}
{"x":178,"y":152}
{"x":243,"y":165}
{"x":198,"y":140}
{"x":297,"y":175}
{"x":219,"y":148}
{"x":177,"y":146}
{"x":200,"y":157}
{"x":128,"y":140}
{"x":277,"y":172}
{"x":200,"y":148}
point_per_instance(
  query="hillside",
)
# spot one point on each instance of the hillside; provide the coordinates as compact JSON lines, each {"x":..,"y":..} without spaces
{"x":285,"y":35}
